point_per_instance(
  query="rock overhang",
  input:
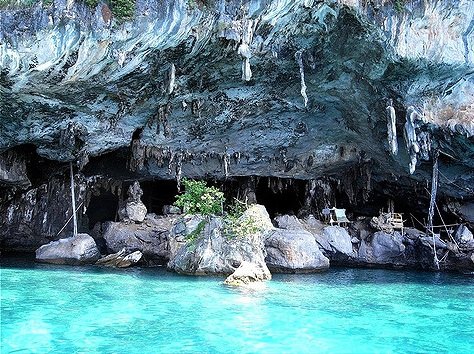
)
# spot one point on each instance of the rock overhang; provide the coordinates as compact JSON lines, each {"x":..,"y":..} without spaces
{"x":111,"y":79}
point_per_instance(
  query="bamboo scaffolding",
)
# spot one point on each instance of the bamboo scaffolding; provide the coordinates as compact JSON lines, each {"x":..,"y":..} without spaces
{"x":73,"y":199}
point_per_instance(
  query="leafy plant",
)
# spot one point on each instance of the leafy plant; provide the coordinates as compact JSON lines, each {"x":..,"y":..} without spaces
{"x":198,"y":198}
{"x":122,"y":9}
{"x":235,"y":225}
{"x":18,"y":4}
{"x":399,"y":5}
{"x":91,"y":3}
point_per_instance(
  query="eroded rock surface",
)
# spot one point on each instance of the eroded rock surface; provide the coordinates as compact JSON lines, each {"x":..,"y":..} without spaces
{"x":150,"y":237}
{"x":383,"y":248}
{"x":231,"y":89}
{"x":78,"y":250}
{"x":133,"y":210}
{"x":248,"y":273}
{"x":121,"y":259}
{"x":294,"y":251}
{"x":335,"y":241}
{"x":464,"y":237}
{"x":204,"y":249}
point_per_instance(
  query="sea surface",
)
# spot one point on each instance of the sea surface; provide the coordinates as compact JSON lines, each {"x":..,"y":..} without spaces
{"x":63,"y":309}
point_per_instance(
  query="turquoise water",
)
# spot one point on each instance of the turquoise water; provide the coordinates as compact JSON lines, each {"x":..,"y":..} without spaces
{"x":56,"y":309}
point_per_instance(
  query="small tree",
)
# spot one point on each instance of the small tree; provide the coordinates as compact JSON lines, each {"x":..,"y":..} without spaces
{"x":200,"y":199}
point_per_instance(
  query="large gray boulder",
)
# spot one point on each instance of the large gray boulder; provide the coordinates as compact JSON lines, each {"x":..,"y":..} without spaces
{"x":248,"y":273}
{"x":336,"y":242}
{"x":78,"y":250}
{"x":149,"y":237}
{"x":294,"y":251}
{"x":288,"y":222}
{"x":200,"y":246}
{"x":383,"y":248}
{"x":464,"y":237}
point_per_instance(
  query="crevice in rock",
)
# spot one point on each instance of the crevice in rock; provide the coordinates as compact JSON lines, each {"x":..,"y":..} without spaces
{"x":157,"y":194}
{"x":102,"y":207}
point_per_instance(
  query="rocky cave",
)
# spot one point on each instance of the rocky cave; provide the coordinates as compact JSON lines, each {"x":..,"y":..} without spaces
{"x":294,"y":105}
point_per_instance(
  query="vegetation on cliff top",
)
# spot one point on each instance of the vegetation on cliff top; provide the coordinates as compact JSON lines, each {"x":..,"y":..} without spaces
{"x":20,"y":4}
{"x":121,"y":9}
{"x":198,"y":198}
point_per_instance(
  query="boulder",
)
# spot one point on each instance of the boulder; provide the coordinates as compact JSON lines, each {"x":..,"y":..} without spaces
{"x":336,"y":242}
{"x":133,"y":210}
{"x":464,"y":237}
{"x":248,"y":273}
{"x":78,"y":250}
{"x":201,"y":247}
{"x":288,"y":222}
{"x":427,"y":241}
{"x":120,"y":259}
{"x":383,"y":248}
{"x":171,"y":209}
{"x":294,"y":251}
{"x":382,"y":223}
{"x":151,"y":237}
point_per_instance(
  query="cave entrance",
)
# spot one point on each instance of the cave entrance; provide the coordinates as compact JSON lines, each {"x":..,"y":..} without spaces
{"x":158,"y":193}
{"x":281,"y":195}
{"x":102,"y":207}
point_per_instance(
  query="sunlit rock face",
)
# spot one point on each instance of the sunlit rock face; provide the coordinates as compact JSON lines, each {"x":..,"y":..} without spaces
{"x":215,"y":89}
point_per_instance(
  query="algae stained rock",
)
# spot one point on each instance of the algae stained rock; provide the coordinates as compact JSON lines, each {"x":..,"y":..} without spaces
{"x":209,"y":251}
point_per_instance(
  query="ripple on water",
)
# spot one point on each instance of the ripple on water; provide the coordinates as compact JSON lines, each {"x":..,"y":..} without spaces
{"x":97,"y":310}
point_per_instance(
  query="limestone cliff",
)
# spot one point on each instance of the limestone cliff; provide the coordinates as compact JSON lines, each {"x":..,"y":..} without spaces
{"x":352,"y":94}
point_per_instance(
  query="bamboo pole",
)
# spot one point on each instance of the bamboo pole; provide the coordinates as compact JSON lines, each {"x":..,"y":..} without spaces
{"x":67,"y":222}
{"x":434,"y":189}
{"x":73,"y":199}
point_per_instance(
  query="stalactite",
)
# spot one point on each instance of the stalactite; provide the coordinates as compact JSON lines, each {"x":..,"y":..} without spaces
{"x":299,"y":60}
{"x":137,"y":156}
{"x":226,"y":162}
{"x":170,"y":164}
{"x":171,"y":79}
{"x":410,"y":138}
{"x":424,"y":142}
{"x":236,"y":156}
{"x":178,"y":170}
{"x":392,"y":128}
{"x":244,"y":49}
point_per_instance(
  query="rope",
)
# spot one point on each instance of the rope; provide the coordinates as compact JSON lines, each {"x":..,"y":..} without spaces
{"x":67,"y":222}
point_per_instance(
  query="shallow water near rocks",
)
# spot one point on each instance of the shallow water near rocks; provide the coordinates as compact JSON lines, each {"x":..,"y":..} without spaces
{"x":60,"y":309}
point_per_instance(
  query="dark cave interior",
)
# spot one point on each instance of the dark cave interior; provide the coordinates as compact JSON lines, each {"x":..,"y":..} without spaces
{"x":102,"y":207}
{"x":279,"y":196}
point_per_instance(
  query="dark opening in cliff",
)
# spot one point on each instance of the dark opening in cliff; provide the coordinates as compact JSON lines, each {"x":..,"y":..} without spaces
{"x":281,"y":196}
{"x":113,"y":164}
{"x":158,"y":193}
{"x":102,"y":207}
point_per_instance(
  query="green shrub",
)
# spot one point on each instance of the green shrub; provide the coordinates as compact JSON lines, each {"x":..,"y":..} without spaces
{"x":92,"y":3}
{"x":122,"y":9}
{"x":18,"y":4}
{"x":399,"y":5}
{"x":235,"y":225}
{"x":200,"y":199}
